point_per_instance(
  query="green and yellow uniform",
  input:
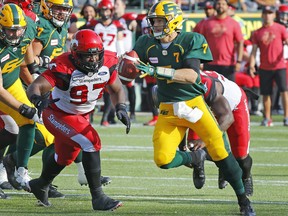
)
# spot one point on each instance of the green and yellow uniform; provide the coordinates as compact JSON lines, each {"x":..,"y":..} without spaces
{"x":170,"y":129}
{"x":53,"y":39}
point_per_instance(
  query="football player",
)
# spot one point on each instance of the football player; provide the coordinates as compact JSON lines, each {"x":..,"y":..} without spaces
{"x":229,"y":104}
{"x":15,"y":40}
{"x":174,"y":58}
{"x":77,"y":81}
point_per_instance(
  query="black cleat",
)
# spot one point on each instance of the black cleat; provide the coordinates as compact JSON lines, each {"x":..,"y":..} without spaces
{"x":40,"y":192}
{"x":248,"y":185}
{"x":105,"y":180}
{"x":105,"y":203}
{"x":54,"y":193}
{"x":222,"y":183}
{"x":198,"y":171}
{"x":247,"y":210}
{"x":3,"y":195}
{"x":6,"y":186}
{"x":10,"y":166}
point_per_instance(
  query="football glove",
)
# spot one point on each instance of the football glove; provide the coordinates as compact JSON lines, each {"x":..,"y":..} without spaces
{"x":44,"y":61}
{"x":42,"y":102}
{"x":29,"y":112}
{"x":122,"y":115}
{"x":160,"y":72}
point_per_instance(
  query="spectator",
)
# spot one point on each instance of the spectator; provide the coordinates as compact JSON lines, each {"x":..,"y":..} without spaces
{"x":227,"y":32}
{"x":269,"y":39}
{"x":209,"y":12}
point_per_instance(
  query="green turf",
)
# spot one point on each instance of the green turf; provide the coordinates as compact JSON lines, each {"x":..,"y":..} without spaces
{"x":148,"y":190}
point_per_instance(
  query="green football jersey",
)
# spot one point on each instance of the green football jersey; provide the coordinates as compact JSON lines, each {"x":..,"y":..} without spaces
{"x":186,"y":45}
{"x":12,"y":57}
{"x":53,"y":39}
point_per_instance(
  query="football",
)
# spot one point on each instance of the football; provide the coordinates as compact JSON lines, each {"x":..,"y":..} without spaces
{"x":127,"y":69}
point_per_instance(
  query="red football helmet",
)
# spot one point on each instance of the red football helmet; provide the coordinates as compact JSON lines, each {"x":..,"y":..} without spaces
{"x":105,"y":5}
{"x":24,"y":4}
{"x":282,"y":15}
{"x":86,"y":44}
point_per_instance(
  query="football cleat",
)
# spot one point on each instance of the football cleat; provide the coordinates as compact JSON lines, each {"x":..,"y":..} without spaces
{"x":105,"y":180}
{"x":40,"y":192}
{"x":4,"y":184}
{"x":10,"y":166}
{"x":248,"y":185}
{"x":247,"y":210}
{"x":3,"y":195}
{"x":105,"y":203}
{"x":198,"y":171}
{"x":23,"y":178}
{"x":54,"y":193}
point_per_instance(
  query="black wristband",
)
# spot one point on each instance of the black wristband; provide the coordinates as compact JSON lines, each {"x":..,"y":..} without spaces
{"x":33,"y":68}
{"x":238,"y":61}
{"x":27,"y":111}
{"x":120,"y":106}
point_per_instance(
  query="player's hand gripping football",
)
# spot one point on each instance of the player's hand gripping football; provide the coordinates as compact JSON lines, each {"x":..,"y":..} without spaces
{"x":146,"y":69}
{"x":42,"y":102}
{"x":122,"y":115}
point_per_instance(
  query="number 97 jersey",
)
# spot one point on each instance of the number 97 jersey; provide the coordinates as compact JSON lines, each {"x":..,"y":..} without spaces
{"x":77,"y":91}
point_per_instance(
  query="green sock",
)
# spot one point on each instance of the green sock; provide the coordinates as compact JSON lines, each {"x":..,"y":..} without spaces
{"x":25,"y":142}
{"x":181,"y":158}
{"x":232,"y":172}
{"x":39,"y":143}
{"x":47,"y":152}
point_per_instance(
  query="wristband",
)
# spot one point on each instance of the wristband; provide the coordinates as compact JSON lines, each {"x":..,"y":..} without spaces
{"x":238,"y":61}
{"x":33,"y":68}
{"x":167,"y":73}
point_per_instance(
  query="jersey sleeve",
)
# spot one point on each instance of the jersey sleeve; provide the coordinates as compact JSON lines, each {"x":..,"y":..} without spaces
{"x":209,"y":84}
{"x":42,"y":34}
{"x":59,"y":72}
{"x":198,"y":48}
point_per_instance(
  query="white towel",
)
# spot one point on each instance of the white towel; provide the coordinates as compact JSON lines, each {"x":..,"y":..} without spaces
{"x":183,"y":111}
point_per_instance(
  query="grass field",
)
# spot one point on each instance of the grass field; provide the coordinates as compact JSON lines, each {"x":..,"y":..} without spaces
{"x":148,"y":190}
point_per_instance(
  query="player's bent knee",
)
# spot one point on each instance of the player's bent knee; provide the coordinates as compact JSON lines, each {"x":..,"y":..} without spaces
{"x":162,"y":159}
{"x":217,"y":153}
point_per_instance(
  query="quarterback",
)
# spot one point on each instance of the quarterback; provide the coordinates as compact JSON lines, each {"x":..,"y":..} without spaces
{"x":174,"y":58}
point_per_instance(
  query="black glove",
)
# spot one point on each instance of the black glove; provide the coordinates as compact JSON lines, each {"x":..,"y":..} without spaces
{"x":28,"y":112}
{"x":122,"y":115}
{"x":44,"y":61}
{"x":42,"y":102}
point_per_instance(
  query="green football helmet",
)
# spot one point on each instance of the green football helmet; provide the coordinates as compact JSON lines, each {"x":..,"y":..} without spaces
{"x":12,"y":24}
{"x":172,"y":14}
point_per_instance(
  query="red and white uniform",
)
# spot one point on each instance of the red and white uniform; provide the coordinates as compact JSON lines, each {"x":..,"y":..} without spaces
{"x":109,"y":36}
{"x":239,"y":131}
{"x":68,"y":119}
{"x":128,"y":34}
